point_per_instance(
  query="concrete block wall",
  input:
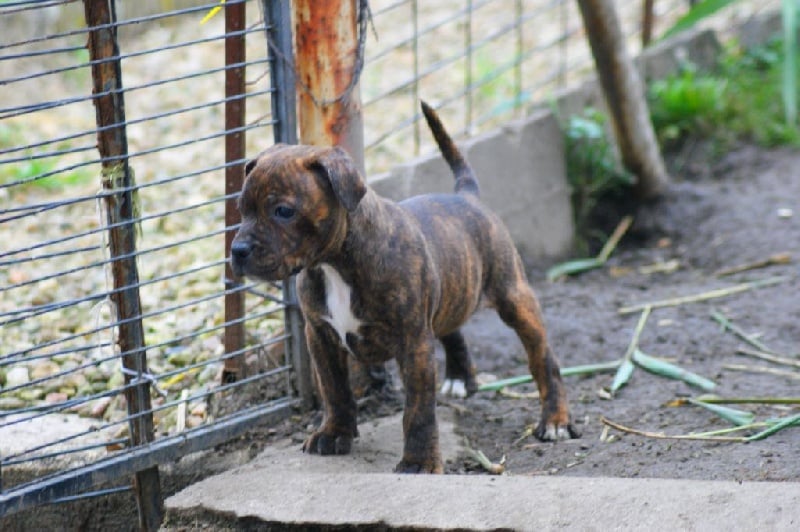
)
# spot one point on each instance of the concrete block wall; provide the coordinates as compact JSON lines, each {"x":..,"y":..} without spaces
{"x":521,"y":166}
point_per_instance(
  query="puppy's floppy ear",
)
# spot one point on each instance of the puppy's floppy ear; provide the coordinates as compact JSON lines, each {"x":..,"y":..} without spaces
{"x":339,"y":169}
{"x":248,"y":167}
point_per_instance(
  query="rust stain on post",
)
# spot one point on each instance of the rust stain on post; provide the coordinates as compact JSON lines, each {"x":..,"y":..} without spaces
{"x":234,"y":176}
{"x":326,"y":37}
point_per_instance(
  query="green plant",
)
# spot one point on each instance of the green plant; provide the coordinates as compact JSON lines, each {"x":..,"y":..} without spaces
{"x":787,"y":67}
{"x":687,"y":103}
{"x":593,"y":170}
{"x":742,"y":100}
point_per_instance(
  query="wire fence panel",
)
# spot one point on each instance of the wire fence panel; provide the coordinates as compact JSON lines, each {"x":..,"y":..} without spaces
{"x":75,"y":291}
{"x":483,"y":61}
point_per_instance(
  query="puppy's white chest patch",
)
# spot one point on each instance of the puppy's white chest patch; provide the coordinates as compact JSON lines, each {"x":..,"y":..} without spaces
{"x":337,"y":298}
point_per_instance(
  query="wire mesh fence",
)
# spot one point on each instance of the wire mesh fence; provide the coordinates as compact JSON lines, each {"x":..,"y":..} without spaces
{"x":484,"y":61}
{"x":85,"y":234}
{"x":99,"y":249}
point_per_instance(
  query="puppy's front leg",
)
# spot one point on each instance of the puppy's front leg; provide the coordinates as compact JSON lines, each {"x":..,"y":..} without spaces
{"x":421,"y":436}
{"x":335,"y":434}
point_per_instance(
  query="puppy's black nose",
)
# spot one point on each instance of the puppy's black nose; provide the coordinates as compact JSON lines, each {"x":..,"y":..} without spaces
{"x":240,"y":250}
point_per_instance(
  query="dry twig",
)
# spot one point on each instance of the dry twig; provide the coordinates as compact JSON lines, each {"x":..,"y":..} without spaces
{"x":777,"y":258}
{"x":761,"y":369}
{"x":769,"y":357}
{"x":662,"y":436}
{"x":704,"y":296}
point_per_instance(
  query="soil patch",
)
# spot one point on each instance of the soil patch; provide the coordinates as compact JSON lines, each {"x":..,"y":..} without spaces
{"x":738,"y":210}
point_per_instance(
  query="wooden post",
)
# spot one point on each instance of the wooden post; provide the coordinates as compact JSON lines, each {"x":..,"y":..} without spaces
{"x":118,"y":187}
{"x":624,"y":94}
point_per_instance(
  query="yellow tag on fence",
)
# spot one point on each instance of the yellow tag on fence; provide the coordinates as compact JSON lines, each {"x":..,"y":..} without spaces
{"x":214,"y":11}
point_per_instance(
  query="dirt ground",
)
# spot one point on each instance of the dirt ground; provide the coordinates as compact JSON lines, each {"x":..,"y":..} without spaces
{"x":741,"y":209}
{"x":715,"y":216}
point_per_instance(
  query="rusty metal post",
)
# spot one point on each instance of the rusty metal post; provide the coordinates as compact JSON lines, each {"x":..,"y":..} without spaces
{"x":329,"y":38}
{"x":278,"y":18}
{"x":118,"y":185}
{"x":329,"y":61}
{"x":234,"y":176}
{"x":624,"y":95}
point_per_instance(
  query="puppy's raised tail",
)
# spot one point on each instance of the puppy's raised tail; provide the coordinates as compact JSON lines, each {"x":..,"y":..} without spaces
{"x":465,"y":177}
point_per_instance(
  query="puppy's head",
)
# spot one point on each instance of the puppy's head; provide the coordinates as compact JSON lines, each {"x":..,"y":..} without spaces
{"x":294,"y":206}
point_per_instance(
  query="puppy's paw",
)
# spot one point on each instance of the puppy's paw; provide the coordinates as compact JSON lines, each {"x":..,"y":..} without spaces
{"x":323,"y":443}
{"x":431,"y":466}
{"x":454,"y":388}
{"x":552,"y":431}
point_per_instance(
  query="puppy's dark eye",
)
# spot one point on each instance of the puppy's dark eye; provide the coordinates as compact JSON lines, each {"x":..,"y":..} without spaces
{"x":284,"y":213}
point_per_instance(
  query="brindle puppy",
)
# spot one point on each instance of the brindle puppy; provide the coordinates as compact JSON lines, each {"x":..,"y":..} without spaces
{"x":379,"y":279}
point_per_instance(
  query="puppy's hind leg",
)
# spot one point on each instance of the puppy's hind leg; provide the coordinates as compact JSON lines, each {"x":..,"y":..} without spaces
{"x":519,"y":309}
{"x":459,"y":373}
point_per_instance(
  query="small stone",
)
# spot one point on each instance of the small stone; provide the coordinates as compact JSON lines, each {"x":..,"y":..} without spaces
{"x":179,"y":356}
{"x":200,"y":410}
{"x":44,"y":369}
{"x":17,"y":377}
{"x":55,"y":397}
{"x":31,"y":394}
{"x":193,"y":421}
{"x":99,"y":407}
{"x":75,"y":380}
{"x":11,"y":403}
{"x":117,"y":380}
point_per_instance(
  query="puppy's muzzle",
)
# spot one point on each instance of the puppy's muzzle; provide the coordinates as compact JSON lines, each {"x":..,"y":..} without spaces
{"x":241,"y":251}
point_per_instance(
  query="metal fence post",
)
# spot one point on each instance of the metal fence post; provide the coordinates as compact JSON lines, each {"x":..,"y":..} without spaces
{"x":278,"y":19}
{"x":119,"y":193}
{"x":234,"y":176}
{"x":330,"y":56}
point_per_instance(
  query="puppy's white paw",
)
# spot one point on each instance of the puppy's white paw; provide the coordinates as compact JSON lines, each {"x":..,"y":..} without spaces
{"x":554,"y":433}
{"x":454,"y":388}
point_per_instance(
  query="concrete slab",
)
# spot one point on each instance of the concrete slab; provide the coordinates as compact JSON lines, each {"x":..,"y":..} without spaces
{"x":284,"y":488}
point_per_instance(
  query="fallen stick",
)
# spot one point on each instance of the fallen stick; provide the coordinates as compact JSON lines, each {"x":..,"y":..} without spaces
{"x":759,"y":369}
{"x":614,"y":239}
{"x":662,"y":436}
{"x":728,"y":325}
{"x":704,"y":296}
{"x":777,"y":258}
{"x":769,"y":357}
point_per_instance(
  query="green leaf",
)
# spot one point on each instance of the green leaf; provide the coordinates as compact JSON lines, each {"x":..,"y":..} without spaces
{"x":586,"y":369}
{"x":572,"y":267}
{"x":735,"y":416}
{"x":665,"y":369}
{"x":781,"y":424}
{"x":623,"y":375}
{"x":698,"y":12}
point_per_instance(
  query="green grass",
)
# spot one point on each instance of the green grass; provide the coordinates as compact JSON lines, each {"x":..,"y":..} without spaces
{"x":741,"y":101}
{"x":25,"y":172}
